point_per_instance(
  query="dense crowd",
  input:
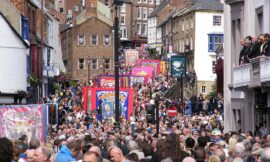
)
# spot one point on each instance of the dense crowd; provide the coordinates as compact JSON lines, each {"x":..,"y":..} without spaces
{"x":189,"y":137}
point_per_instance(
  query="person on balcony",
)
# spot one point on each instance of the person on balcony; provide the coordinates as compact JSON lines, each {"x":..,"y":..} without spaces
{"x":265,"y":48}
{"x":255,"y":47}
{"x":246,"y":43}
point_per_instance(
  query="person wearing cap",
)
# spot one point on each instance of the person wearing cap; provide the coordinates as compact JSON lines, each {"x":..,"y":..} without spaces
{"x":216,"y":136}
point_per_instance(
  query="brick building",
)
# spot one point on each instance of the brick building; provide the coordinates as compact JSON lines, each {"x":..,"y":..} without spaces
{"x":87,"y":46}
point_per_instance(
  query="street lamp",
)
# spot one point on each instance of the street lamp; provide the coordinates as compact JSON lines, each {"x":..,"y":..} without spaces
{"x":116,"y":3}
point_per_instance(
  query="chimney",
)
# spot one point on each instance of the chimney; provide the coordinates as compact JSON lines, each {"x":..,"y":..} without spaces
{"x":91,"y":7}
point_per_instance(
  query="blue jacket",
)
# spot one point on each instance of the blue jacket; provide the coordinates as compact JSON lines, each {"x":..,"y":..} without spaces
{"x":65,"y":155}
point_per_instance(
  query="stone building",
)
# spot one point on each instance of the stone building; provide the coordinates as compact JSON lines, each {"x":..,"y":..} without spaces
{"x":246,"y":87}
{"x":87,"y":46}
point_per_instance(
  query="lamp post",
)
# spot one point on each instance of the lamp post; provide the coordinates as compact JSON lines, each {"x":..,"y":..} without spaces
{"x":116,"y":3}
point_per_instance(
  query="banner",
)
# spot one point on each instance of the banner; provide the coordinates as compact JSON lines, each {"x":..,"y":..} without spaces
{"x":107,"y":97}
{"x":18,"y":120}
{"x":178,"y":66}
{"x":109,"y":81}
{"x":162,"y":67}
{"x":155,"y":64}
{"x":131,"y":57}
{"x":138,"y":79}
{"x":142,"y":71}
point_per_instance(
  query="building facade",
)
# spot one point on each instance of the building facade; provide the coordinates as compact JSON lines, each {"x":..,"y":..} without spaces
{"x":88,"y":46}
{"x":246,"y":87}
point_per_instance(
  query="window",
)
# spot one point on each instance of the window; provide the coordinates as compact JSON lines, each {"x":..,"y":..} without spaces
{"x":94,"y":64}
{"x":107,"y":40}
{"x":150,"y":10}
{"x":216,"y":20}
{"x":123,"y":33}
{"x":123,"y":19}
{"x":139,"y":1}
{"x":214,"y":41}
{"x":139,"y":10}
{"x":157,"y":2}
{"x":144,"y":1}
{"x":107,"y":2}
{"x":107,"y":63}
{"x":81,"y":40}
{"x":61,"y":10}
{"x":144,"y":29}
{"x":81,"y":64}
{"x":145,"y":13}
{"x":191,"y":43}
{"x":138,"y":28}
{"x":151,"y":1}
{"x":214,"y":67}
{"x":123,"y":8}
{"x":203,"y":90}
{"x":94,"y":39}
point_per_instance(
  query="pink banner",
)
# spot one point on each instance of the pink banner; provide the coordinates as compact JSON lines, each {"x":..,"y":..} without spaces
{"x":142,"y":71}
{"x":18,"y":120}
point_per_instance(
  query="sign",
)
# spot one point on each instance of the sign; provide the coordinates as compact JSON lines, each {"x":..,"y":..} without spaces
{"x":107,"y":97}
{"x":109,"y":81}
{"x":162,"y":67}
{"x":18,"y":120}
{"x":131,"y":57}
{"x":178,"y":66}
{"x":172,"y":111}
{"x":138,"y":79}
{"x":48,"y":67}
{"x":142,"y":71}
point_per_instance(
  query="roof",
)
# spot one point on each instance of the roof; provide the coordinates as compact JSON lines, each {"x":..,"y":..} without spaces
{"x":213,"y":5}
{"x":159,"y":8}
{"x":166,"y":18}
{"x":13,"y":29}
{"x":63,"y":27}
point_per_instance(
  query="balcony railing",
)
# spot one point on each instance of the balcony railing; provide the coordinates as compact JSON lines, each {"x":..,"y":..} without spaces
{"x":253,"y":74}
{"x":241,"y":76}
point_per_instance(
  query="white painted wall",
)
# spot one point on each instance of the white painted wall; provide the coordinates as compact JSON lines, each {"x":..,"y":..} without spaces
{"x":203,"y":59}
{"x":13,"y":75}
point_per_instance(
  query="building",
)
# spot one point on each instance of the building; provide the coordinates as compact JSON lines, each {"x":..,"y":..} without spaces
{"x":87,"y":46}
{"x":246,"y":88}
{"x":197,"y":43}
{"x":153,"y":33}
{"x":13,"y":64}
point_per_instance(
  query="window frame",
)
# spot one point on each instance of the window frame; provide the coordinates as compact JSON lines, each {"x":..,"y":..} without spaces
{"x":79,"y":63}
{"x":139,"y":13}
{"x":124,"y":16}
{"x":144,"y":13}
{"x":91,"y":40}
{"x":217,"y":23}
{"x":104,"y":39}
{"x":203,"y":89}
{"x":79,"y":44}
{"x":107,"y":64}
{"x":92,"y":64}
{"x":139,"y":31}
{"x":211,"y":45}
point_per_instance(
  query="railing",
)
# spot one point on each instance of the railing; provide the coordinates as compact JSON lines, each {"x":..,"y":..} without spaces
{"x":265,"y":70}
{"x":241,"y":76}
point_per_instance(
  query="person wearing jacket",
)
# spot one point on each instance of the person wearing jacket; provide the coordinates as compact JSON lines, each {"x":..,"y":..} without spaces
{"x":69,"y":152}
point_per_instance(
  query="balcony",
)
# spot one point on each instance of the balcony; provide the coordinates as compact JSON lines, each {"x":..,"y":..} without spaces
{"x":252,"y":75}
{"x":241,"y":76}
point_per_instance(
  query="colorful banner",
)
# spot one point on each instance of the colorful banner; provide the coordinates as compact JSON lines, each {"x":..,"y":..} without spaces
{"x":138,"y":79}
{"x":178,"y":66}
{"x":142,"y":71}
{"x":107,"y":97}
{"x":18,"y":120}
{"x":155,"y":64}
{"x":162,"y":67}
{"x":109,"y":81}
{"x":131,"y":57}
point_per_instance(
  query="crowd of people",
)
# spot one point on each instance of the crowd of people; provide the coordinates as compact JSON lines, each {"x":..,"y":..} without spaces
{"x":80,"y":136}
{"x":254,"y":47}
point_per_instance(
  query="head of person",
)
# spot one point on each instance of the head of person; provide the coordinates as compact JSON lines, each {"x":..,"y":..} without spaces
{"x":261,"y":38}
{"x":190,"y":142}
{"x":34,"y":143}
{"x":214,"y":158}
{"x":6,"y":149}
{"x":116,"y":154}
{"x":148,"y":150}
{"x":92,"y":156}
{"x":74,"y":146}
{"x":239,"y":152}
{"x":216,"y":134}
{"x":132,"y":145}
{"x":189,"y":159}
{"x":265,"y":155}
{"x":221,"y":154}
{"x":199,"y":154}
{"x":30,"y":155}
{"x":43,"y":154}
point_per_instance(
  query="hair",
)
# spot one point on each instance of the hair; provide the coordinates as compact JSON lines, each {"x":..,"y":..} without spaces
{"x":34,"y":143}
{"x":239,"y":152}
{"x":98,"y":156}
{"x":47,"y":152}
{"x":190,"y":142}
{"x":132,"y":145}
{"x":133,"y":157}
{"x":6,"y":150}
{"x":160,"y":143}
{"x":74,"y":144}
{"x":214,"y":158}
{"x":148,"y":149}
{"x":221,"y":154}
{"x":189,"y":159}
{"x":265,"y":156}
{"x":202,"y":141}
{"x":199,"y":154}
